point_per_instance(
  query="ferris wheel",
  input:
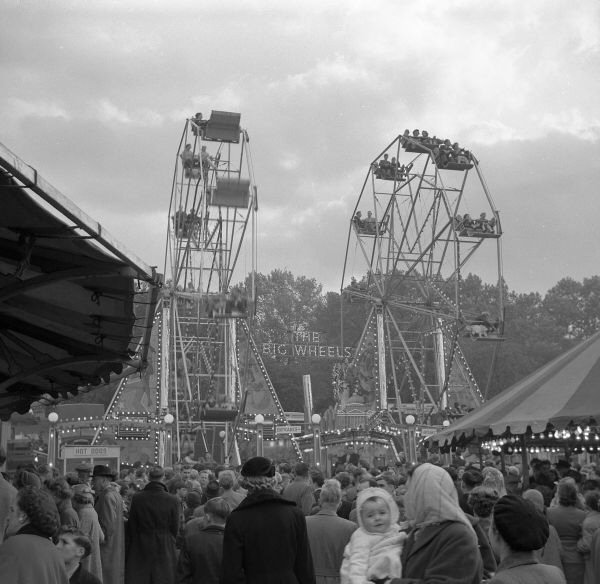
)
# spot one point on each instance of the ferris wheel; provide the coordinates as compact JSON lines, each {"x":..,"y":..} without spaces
{"x":209,"y":361}
{"x":423,"y":218}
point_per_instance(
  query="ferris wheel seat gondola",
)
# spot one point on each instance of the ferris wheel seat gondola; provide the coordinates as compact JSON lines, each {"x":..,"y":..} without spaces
{"x":231,"y":192}
{"x":223,"y":127}
{"x":478,"y":234}
{"x":457,"y":166}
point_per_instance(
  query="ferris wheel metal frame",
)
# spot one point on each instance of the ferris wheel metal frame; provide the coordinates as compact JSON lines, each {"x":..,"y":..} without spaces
{"x":207,"y":349}
{"x":415,"y":244}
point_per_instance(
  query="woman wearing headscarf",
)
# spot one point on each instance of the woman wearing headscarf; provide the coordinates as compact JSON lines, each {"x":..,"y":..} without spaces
{"x":83,"y":502}
{"x":494,"y":479}
{"x":568,"y":520}
{"x":442,"y":546}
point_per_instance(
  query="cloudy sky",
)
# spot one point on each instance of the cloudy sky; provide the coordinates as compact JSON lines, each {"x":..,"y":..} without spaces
{"x":95,"y":95}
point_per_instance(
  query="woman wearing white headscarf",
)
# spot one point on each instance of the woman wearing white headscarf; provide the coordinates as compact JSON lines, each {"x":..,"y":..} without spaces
{"x":442,"y":547}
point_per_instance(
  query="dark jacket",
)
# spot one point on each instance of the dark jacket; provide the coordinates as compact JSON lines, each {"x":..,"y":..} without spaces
{"x":266,"y":542}
{"x":29,"y":557}
{"x":523,"y":568}
{"x":200,"y":558}
{"x":82,"y":576}
{"x":151,"y":532}
{"x":444,"y":553}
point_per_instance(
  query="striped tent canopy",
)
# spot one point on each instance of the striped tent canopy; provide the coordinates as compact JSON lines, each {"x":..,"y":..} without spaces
{"x":564,"y":392}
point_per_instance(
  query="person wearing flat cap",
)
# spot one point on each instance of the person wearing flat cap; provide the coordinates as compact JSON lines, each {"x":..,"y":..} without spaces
{"x":109,"y":507}
{"x":151,"y":533}
{"x":265,"y":540}
{"x":84,"y":472}
{"x":518,"y":529}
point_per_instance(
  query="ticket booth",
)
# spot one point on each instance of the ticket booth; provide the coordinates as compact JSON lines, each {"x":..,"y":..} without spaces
{"x":74,"y":455}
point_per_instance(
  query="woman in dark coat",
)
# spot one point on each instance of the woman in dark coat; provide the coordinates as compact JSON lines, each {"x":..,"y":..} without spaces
{"x":28,"y":555}
{"x":442,"y":546}
{"x":265,"y":540}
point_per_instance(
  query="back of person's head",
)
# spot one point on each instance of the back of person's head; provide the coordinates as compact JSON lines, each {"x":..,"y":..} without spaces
{"x":301,"y":469}
{"x":567,"y":492}
{"x":80,"y":538}
{"x":451,"y":470}
{"x":317,"y":477}
{"x":40,"y":509}
{"x":193,"y":499}
{"x":285,"y":468}
{"x":61,"y":489}
{"x":331,"y":492}
{"x":27,"y":478}
{"x":218,"y":509}
{"x":344,"y":479}
{"x":482,"y":499}
{"x":520,"y":524}
{"x":227,"y":479}
{"x":472,"y":478}
{"x":592,"y":500}
{"x":536,"y":497}
{"x":213,"y":489}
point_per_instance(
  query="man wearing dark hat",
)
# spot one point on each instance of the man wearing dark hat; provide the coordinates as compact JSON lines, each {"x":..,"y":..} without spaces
{"x":151,"y":533}
{"x":109,"y":507}
{"x":518,"y":529}
{"x":265,"y":539}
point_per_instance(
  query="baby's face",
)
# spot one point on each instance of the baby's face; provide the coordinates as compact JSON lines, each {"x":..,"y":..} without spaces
{"x":376,"y":516}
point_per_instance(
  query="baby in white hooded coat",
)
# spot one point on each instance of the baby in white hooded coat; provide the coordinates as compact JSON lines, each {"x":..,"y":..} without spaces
{"x":373,"y":553}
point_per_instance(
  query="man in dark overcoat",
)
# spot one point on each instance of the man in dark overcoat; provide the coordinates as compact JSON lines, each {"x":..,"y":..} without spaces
{"x":109,"y":506}
{"x":151,"y":533}
{"x":265,"y":539}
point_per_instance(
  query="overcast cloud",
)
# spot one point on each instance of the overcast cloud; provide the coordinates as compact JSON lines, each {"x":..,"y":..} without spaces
{"x":95,"y":96}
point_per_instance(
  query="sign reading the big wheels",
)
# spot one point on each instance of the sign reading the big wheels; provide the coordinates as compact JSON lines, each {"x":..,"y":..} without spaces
{"x":91,"y":451}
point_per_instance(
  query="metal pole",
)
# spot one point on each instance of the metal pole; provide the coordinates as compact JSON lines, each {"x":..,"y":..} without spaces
{"x":259,"y":439}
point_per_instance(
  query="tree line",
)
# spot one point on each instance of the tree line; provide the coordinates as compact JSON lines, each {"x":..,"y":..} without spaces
{"x":537,"y":328}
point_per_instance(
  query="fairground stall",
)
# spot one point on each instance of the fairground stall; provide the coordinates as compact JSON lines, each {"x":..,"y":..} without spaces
{"x":552,"y":413}
{"x":76,"y":307}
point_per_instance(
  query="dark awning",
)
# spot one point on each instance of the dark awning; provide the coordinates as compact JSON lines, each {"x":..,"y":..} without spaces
{"x":75,"y":307}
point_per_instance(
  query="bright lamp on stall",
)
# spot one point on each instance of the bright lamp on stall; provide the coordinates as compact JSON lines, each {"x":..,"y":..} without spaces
{"x":259,"y":419}
{"x":410,"y":419}
{"x":53,"y":417}
{"x":316,"y":419}
{"x":446,"y":423}
{"x":169,"y":419}
{"x":222,"y":434}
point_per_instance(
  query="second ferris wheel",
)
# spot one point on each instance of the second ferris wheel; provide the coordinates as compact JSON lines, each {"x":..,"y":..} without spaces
{"x":423,"y":218}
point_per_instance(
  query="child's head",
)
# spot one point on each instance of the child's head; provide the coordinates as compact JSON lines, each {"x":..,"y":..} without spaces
{"x":375,"y":514}
{"x":377,"y":510}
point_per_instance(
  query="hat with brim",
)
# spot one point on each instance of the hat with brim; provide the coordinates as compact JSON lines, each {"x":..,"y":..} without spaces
{"x":101,"y":470}
{"x":84,"y":467}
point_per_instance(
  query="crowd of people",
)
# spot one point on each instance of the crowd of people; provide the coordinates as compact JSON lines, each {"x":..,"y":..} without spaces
{"x":271,"y":523}
{"x":445,"y":153}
